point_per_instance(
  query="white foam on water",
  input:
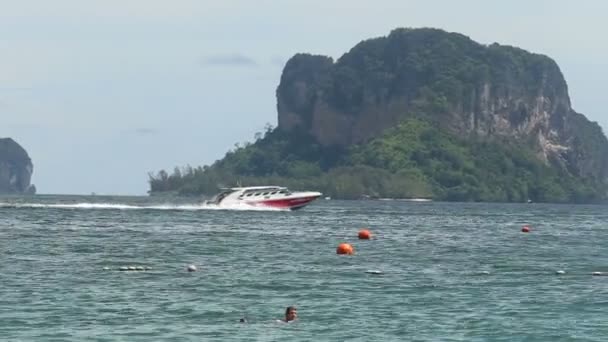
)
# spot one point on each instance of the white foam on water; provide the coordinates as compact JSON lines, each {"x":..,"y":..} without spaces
{"x":121,"y":206}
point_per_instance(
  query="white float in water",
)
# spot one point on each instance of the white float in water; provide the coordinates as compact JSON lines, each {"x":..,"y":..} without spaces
{"x":597,"y":273}
{"x":191,"y":268}
{"x":373,"y":272}
{"x":560,"y":272}
{"x":131,"y":268}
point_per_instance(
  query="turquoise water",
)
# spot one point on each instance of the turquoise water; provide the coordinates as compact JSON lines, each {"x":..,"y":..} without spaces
{"x":451,"y":272}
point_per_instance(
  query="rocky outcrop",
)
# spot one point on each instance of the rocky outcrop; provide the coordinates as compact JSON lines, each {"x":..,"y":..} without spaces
{"x":490,"y":92}
{"x":15,"y":168}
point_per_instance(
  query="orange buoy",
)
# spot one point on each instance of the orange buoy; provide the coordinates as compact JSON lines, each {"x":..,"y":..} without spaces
{"x":345,"y":248}
{"x":365,"y":234}
{"x":525,"y":229}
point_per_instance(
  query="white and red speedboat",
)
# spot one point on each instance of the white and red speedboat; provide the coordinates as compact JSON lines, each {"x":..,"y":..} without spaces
{"x":264,"y":196}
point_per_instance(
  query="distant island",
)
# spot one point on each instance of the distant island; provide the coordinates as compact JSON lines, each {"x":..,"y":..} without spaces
{"x":16,"y":169}
{"x":420,"y":113}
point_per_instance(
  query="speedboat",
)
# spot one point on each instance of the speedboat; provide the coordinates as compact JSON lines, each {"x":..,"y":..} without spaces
{"x":264,"y":196}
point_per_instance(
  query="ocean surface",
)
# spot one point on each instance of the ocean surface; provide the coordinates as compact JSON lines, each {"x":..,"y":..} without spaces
{"x":449,"y":271}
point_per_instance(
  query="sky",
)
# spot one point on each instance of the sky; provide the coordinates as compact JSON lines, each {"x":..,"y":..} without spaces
{"x":100,"y":93}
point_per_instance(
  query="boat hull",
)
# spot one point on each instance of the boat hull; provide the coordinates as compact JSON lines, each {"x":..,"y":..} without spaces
{"x":286,"y":203}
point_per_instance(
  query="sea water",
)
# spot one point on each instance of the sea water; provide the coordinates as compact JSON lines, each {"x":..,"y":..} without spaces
{"x":432,"y":272}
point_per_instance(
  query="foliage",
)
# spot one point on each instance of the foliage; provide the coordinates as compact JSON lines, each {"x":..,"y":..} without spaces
{"x":413,"y":160}
{"x":12,"y":152}
{"x":15,"y":168}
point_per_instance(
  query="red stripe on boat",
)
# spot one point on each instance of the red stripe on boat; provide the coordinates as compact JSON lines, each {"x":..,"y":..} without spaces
{"x":287,"y":202}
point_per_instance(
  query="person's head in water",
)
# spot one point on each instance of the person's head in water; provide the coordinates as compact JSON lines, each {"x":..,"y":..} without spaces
{"x":291,"y":313}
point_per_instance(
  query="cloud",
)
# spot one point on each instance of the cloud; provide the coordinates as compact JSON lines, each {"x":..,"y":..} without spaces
{"x":10,"y":89}
{"x":229,"y":60}
{"x":145,"y":131}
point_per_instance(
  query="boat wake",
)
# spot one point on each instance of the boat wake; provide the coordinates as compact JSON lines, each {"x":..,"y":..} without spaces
{"x":121,"y":206}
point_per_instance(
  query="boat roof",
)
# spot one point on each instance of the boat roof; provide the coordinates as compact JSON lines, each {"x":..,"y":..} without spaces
{"x":244,"y":188}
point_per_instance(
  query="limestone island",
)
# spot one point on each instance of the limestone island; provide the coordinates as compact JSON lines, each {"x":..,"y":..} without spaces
{"x":16,"y":169}
{"x":419,"y":113}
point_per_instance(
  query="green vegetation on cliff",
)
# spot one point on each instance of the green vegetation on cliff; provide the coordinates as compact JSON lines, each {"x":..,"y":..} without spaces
{"x":15,"y":168}
{"x":433,"y":72}
{"x":413,"y":160}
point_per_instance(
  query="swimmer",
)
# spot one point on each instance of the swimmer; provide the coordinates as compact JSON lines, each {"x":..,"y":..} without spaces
{"x":291,"y":314}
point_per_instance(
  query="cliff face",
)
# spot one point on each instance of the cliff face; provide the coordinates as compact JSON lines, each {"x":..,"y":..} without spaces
{"x":492,"y":92}
{"x":15,"y":168}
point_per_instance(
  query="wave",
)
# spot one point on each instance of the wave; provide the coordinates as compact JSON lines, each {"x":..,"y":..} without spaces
{"x":122,"y":206}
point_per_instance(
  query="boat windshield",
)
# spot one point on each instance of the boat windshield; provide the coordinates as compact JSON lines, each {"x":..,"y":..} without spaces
{"x":219,"y":197}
